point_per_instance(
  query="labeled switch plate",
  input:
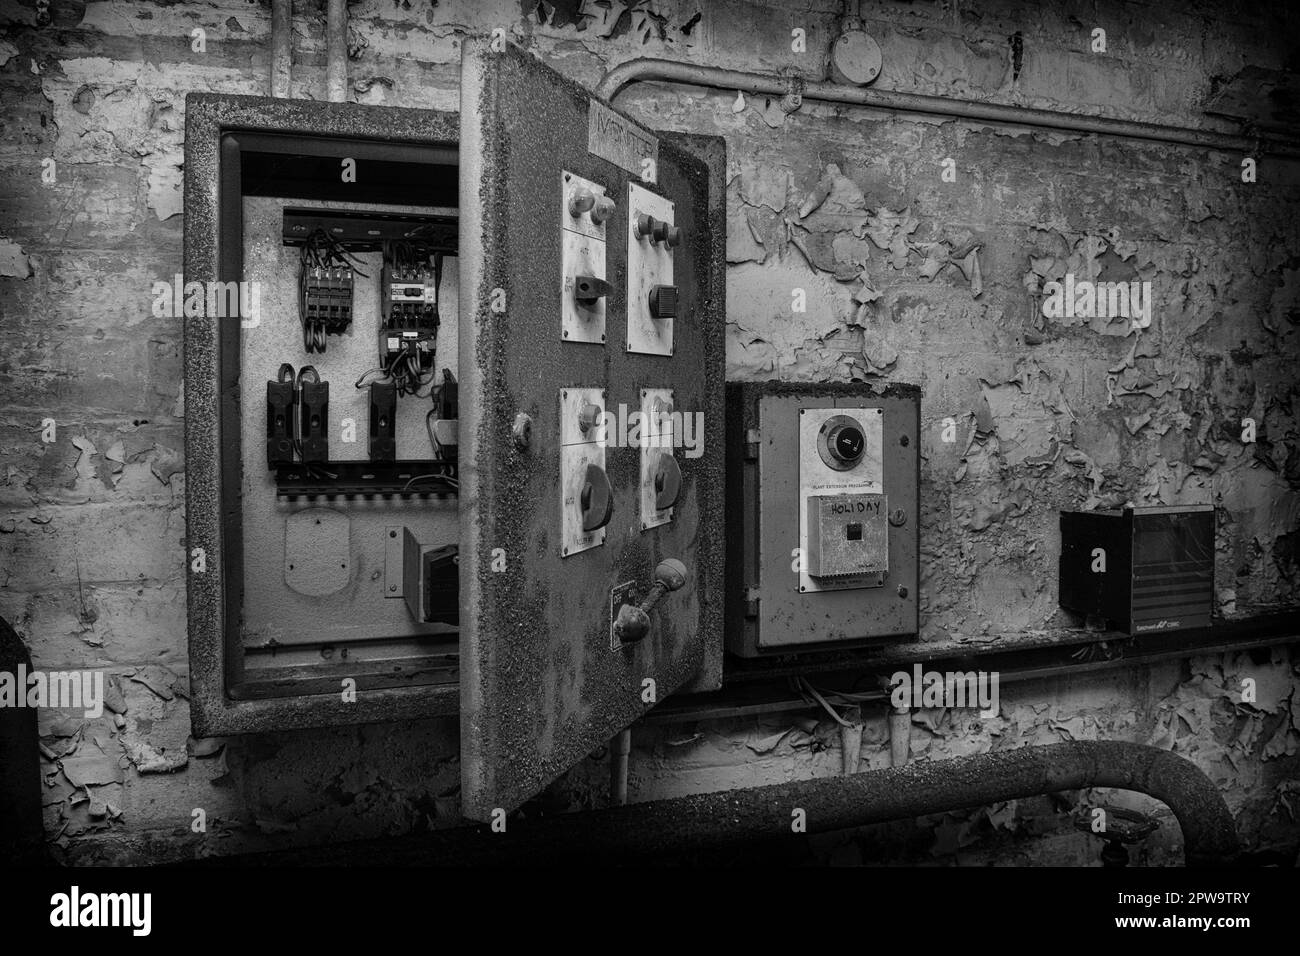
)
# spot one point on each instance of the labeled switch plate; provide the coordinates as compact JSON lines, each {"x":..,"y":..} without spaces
{"x":582,"y":252}
{"x":848,"y":537}
{"x":817,"y":478}
{"x":657,"y":437}
{"x":619,"y":595}
{"x":578,"y":449}
{"x":648,"y":264}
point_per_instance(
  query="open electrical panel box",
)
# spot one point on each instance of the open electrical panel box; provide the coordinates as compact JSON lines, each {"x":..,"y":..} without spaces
{"x":461,"y":459}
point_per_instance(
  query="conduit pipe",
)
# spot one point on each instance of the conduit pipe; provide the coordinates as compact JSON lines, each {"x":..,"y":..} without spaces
{"x":619,"y":750}
{"x":281,"y":47}
{"x":650,"y":69}
{"x":336,"y":50}
{"x":699,"y":826}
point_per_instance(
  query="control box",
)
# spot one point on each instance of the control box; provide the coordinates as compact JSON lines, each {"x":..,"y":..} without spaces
{"x":465,"y":461}
{"x":822,"y":502}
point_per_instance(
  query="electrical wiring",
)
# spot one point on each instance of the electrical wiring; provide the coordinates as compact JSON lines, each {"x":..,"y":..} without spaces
{"x":803,"y":685}
{"x":441,"y":476}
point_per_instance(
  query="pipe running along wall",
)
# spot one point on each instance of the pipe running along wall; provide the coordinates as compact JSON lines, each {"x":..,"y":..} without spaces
{"x":648,"y":69}
{"x":336,"y":50}
{"x":281,"y":47}
{"x":731,"y":820}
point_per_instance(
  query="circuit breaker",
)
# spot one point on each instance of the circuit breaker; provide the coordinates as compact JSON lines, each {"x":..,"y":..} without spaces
{"x":823,"y":543}
{"x":462,"y":462}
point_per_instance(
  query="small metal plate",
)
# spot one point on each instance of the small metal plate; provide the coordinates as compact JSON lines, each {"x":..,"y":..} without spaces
{"x":656,"y":437}
{"x":317,"y":551}
{"x":582,"y":252}
{"x":621,"y":142}
{"x":578,"y":449}
{"x":393,"y":561}
{"x":619,"y":595}
{"x":648,"y":264}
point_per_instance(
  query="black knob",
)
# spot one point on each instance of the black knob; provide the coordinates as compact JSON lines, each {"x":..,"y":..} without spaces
{"x":847,"y":442}
{"x":663,"y":302}
{"x":667,"y":481}
{"x":596,"y":499}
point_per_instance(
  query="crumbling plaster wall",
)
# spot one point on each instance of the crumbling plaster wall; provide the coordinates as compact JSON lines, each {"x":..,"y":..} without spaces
{"x":906,"y":277}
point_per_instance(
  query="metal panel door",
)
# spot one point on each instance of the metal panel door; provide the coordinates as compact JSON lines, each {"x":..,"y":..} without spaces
{"x":560,"y":344}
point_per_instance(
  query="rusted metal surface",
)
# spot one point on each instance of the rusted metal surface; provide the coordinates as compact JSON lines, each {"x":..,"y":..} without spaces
{"x":714,"y":825}
{"x":541,"y":687}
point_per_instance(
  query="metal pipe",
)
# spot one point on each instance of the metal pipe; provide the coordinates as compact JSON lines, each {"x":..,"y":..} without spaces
{"x":619,"y":750}
{"x":281,"y":47}
{"x":336,"y":50}
{"x":900,"y":735}
{"x":722,"y":822}
{"x":647,"y":68}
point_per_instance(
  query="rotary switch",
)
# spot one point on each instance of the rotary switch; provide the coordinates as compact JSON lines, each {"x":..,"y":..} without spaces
{"x":588,"y":289}
{"x":663,"y":302}
{"x":596,"y":499}
{"x":846,"y":443}
{"x":667,"y":481}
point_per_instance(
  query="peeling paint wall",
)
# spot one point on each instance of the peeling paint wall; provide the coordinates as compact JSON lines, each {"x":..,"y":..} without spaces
{"x":906,"y":277}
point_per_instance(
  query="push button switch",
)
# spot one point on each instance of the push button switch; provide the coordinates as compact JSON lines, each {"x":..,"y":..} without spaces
{"x":602,"y":209}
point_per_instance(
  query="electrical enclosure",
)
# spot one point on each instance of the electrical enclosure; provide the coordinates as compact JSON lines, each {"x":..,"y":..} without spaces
{"x":823,"y":515}
{"x":416,"y":480}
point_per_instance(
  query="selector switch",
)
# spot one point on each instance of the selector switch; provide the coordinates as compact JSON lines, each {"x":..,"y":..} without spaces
{"x":667,"y":480}
{"x":846,"y":443}
{"x":596,"y":499}
{"x":663,"y":302}
{"x":589,"y":289}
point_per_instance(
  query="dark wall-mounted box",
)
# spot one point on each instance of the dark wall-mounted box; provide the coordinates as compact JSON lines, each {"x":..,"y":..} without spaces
{"x":1140,"y":569}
